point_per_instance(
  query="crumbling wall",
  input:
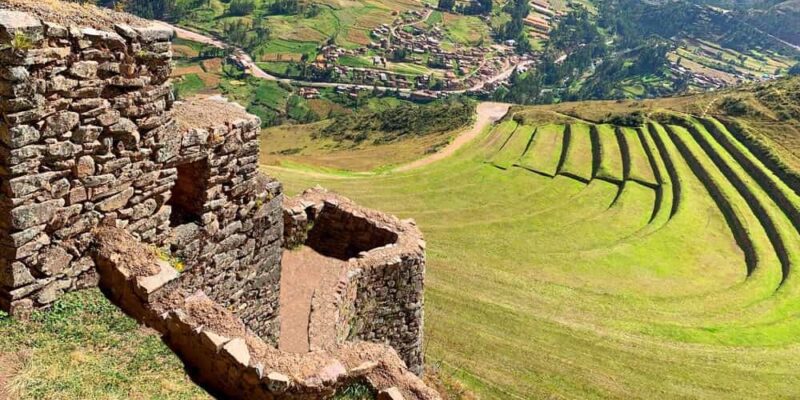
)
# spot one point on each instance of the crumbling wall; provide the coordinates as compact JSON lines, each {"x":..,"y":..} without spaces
{"x":220,"y":353}
{"x":379,"y":297}
{"x":89,"y":134}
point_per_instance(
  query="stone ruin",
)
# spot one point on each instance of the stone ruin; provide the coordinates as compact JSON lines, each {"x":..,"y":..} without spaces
{"x":106,"y":180}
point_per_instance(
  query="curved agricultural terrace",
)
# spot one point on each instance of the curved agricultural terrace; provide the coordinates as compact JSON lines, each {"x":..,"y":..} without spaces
{"x":595,"y":261}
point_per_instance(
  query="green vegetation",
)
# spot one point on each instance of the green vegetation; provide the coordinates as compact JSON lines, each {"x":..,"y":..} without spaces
{"x":85,"y":348}
{"x":189,"y":85}
{"x":636,"y":49}
{"x":402,"y":120}
{"x":603,"y":260}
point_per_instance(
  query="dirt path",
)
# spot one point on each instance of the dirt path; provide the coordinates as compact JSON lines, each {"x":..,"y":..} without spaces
{"x":488,"y":113}
{"x":302,"y":272}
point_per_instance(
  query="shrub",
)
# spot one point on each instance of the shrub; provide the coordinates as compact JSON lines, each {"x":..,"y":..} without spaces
{"x":240,"y":8}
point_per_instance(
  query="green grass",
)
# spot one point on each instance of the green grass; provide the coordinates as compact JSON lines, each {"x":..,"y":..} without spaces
{"x":669,"y":282}
{"x":189,"y":85}
{"x":640,"y":169}
{"x":610,"y":163}
{"x":544,"y":153}
{"x":579,"y":159}
{"x":514,"y":147}
{"x":85,"y":348}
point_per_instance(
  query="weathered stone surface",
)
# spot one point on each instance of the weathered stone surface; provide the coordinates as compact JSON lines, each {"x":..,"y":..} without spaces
{"x":148,"y":285}
{"x":53,"y":260}
{"x":84,"y":167}
{"x":19,"y":136}
{"x":24,"y":217}
{"x":84,"y":69}
{"x":237,"y":349}
{"x":392,"y":393}
{"x":155,"y":34}
{"x":13,"y":22}
{"x":60,"y":123}
{"x":14,"y":275}
{"x":115,"y":202}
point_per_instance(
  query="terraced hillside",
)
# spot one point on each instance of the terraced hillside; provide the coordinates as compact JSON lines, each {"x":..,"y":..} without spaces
{"x":582,"y":260}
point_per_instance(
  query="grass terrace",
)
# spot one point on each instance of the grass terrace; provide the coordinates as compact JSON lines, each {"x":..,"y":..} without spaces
{"x":587,"y":260}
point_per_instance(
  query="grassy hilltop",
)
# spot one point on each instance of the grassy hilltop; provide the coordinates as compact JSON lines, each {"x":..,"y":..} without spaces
{"x":570,"y":257}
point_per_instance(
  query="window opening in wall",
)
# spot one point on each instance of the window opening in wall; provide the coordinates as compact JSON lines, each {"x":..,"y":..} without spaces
{"x":189,"y":193}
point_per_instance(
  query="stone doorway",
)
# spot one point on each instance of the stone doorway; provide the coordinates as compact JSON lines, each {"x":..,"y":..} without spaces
{"x":189,"y":193}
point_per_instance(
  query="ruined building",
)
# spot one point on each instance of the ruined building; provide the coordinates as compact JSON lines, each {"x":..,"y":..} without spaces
{"x":106,"y":180}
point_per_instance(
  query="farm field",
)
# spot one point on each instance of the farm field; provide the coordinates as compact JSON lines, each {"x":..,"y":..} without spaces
{"x":647,"y":262}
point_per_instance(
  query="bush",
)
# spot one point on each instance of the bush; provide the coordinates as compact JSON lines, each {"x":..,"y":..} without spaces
{"x":633,"y":119}
{"x":735,"y":107}
{"x":403,"y":120}
{"x":240,"y":8}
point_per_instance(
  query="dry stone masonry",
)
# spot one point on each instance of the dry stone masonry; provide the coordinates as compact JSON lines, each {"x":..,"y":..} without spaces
{"x":379,"y":294}
{"x":106,"y":180}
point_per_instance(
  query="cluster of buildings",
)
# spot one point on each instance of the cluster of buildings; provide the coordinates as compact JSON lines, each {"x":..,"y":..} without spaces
{"x":463,"y":68}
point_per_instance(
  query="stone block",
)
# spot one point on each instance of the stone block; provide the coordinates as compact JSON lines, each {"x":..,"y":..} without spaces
{"x":278,"y":382}
{"x":391,"y":393}
{"x":26,"y":216}
{"x":19,"y":23}
{"x":145,"y":286}
{"x":84,"y":69}
{"x":116,"y":202}
{"x":60,"y":123}
{"x":53,"y":260}
{"x":14,"y":275}
{"x":238,"y":351}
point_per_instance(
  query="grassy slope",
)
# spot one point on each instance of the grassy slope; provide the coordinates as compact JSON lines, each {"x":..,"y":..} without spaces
{"x":567,"y":289}
{"x":84,"y":348}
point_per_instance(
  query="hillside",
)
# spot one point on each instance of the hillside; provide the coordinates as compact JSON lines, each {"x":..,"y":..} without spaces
{"x":581,"y":258}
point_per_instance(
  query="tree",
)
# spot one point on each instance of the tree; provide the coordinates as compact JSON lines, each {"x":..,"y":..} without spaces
{"x":447,"y":5}
{"x":240,"y":8}
{"x":795,"y":70}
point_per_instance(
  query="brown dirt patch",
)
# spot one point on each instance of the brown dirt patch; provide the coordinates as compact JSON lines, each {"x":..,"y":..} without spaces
{"x":184,"y":51}
{"x":212,"y":65}
{"x":138,"y":260}
{"x":302,"y":272}
{"x":68,"y":13}
{"x":203,"y":311}
{"x":192,"y":69}
{"x":323,"y":107}
{"x":281,"y":57}
{"x":205,"y":113}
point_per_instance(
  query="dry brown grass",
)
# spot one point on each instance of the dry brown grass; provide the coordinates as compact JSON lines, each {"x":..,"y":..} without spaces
{"x":184,"y":51}
{"x":191,"y":69}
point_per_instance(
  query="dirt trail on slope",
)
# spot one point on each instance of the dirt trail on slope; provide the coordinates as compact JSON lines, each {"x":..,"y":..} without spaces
{"x":488,"y":113}
{"x":302,"y":272}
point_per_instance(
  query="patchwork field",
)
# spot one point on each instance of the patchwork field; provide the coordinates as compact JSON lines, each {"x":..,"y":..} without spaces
{"x":569,"y":259}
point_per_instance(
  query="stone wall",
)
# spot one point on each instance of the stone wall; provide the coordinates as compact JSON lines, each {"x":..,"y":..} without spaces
{"x":90,"y":134}
{"x":379,"y":296}
{"x":220,"y":353}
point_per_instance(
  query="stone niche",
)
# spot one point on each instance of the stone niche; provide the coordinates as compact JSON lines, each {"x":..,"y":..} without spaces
{"x":378,"y":295}
{"x":90,"y":135}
